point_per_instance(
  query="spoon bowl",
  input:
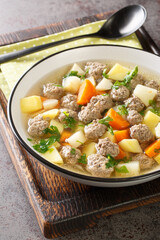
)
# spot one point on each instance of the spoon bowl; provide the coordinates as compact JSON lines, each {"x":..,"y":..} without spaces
{"x":122,"y":23}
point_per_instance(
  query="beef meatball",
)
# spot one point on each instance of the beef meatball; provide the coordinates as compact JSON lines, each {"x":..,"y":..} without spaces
{"x":70,"y":155}
{"x":70,"y":101}
{"x":152,"y":84}
{"x":105,"y":102}
{"x":134,"y":117}
{"x":145,"y":161}
{"x":141,"y":132}
{"x":105,"y":146}
{"x":138,"y":79}
{"x":134,"y":103}
{"x":96,"y":165}
{"x":90,"y":112}
{"x":50,"y":90}
{"x":95,"y":69}
{"x":94,"y":130}
{"x":120,"y":94}
{"x":65,"y":111}
{"x":37,"y":125}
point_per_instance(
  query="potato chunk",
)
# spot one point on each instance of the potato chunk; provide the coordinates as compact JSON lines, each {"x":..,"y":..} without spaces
{"x":130,"y":145}
{"x":104,"y":84}
{"x":71,"y":84}
{"x":132,"y":167}
{"x":76,"y":139}
{"x":53,"y":156}
{"x":77,"y":68}
{"x":50,"y":103}
{"x":157,"y":130}
{"x":118,"y":72}
{"x":56,"y":123}
{"x":53,"y":113}
{"x":89,"y":149}
{"x":151,"y":120}
{"x":31,"y":104}
{"x":157,"y":158}
{"x":110,"y":136}
{"x":145,"y":93}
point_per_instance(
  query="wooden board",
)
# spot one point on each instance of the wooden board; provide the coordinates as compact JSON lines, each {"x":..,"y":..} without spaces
{"x":60,"y":205}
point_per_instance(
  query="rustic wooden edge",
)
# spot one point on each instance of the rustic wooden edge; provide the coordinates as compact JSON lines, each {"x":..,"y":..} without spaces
{"x":46,"y":222}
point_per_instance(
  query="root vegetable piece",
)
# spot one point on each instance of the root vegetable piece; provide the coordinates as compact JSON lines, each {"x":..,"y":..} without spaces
{"x":145,"y":93}
{"x":133,"y":169}
{"x":118,"y":72}
{"x":86,"y":91}
{"x":130,"y":145}
{"x":31,"y":104}
{"x":77,"y":139}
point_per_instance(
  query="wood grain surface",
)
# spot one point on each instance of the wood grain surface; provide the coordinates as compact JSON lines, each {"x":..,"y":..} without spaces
{"x":60,"y":205}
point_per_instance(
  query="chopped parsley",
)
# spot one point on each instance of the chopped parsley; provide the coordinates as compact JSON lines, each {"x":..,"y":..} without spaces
{"x":112,"y":162}
{"x":142,"y":112}
{"x":58,"y":85}
{"x":73,"y":151}
{"x":106,"y":121}
{"x":84,"y":75}
{"x":105,"y":94}
{"x":122,"y":110}
{"x":104,"y":73}
{"x":154,"y":108}
{"x":82,"y":159}
{"x":127,"y":79}
{"x":44,"y":144}
{"x":29,"y":139}
{"x":69,"y":122}
{"x":122,"y":169}
{"x":72,"y":73}
{"x":79,"y":142}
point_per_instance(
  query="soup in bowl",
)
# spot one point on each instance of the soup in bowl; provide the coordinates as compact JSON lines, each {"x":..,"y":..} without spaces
{"x":92,"y":114}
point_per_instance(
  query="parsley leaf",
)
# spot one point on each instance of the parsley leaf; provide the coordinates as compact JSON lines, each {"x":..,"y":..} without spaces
{"x":154,"y":108}
{"x":122,"y":110}
{"x":73,"y":151}
{"x":104,"y":73}
{"x":72,"y":73}
{"x":29,"y":139}
{"x":84,"y":75}
{"x":142,"y":112}
{"x":112,"y":162}
{"x":122,"y":169}
{"x":44,"y":144}
{"x":82,"y":159}
{"x":127,"y":79}
{"x":105,"y":94}
{"x":106,"y":121}
{"x":69,"y":122}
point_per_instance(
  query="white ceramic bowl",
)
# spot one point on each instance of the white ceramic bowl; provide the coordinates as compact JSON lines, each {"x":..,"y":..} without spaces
{"x":51,"y":63}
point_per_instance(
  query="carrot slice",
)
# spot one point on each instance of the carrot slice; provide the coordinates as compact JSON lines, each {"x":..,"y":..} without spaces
{"x":117,"y":122}
{"x":65,"y":134}
{"x":153,"y":149}
{"x":121,"y":154}
{"x":86,"y":91}
{"x":122,"y":134}
{"x":98,"y":92}
{"x":65,"y":144}
{"x":43,"y":98}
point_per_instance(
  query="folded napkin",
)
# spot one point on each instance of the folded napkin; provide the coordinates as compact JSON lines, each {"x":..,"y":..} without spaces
{"x":12,"y":71}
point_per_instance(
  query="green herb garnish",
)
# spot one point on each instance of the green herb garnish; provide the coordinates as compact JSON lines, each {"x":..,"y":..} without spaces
{"x":72,"y":73}
{"x":122,"y":169}
{"x":104,"y":73}
{"x":69,"y":122}
{"x":29,"y":139}
{"x":122,"y":110}
{"x":79,"y":142}
{"x":142,"y":112}
{"x":106,"y":121}
{"x":112,"y":162}
{"x":58,"y":85}
{"x":44,"y":144}
{"x":154,"y":108}
{"x":84,"y":75}
{"x":73,"y":151}
{"x":127,"y":79}
{"x":83,"y":159}
{"x":105,"y":94}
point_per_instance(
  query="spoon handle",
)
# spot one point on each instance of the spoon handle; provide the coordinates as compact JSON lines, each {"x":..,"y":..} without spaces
{"x":13,"y":55}
{"x":150,"y":43}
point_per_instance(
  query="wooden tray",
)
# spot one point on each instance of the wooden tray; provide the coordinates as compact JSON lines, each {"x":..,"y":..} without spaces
{"x":62,"y":206}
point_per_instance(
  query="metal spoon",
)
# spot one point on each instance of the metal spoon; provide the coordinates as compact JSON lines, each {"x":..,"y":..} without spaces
{"x":122,"y":23}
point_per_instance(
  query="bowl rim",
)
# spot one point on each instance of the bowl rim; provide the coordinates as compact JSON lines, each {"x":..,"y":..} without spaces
{"x":54,"y":166}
